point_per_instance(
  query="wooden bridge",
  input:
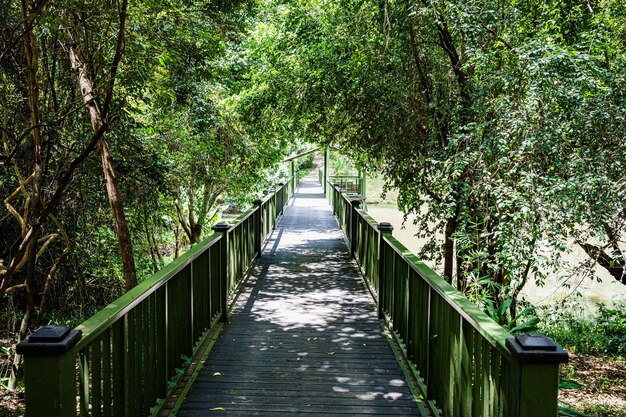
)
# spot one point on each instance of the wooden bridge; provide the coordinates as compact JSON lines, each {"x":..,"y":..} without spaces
{"x":299,"y":307}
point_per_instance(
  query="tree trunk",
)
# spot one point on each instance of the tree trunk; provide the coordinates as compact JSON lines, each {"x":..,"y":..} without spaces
{"x":34,"y":221}
{"x":97,"y":122}
{"x":613,"y":264}
{"x":196,"y":233}
{"x":177,"y":242}
{"x":121,"y":226}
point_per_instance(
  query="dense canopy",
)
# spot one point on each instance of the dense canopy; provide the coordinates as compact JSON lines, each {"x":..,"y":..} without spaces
{"x":129,"y":127}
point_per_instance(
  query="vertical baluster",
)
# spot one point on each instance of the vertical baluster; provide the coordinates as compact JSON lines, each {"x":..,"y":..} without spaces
{"x":486,"y":378}
{"x":96,"y":379}
{"x":224,"y":256}
{"x":479,"y":398}
{"x":107,"y":386}
{"x":215,"y":280}
{"x":389,"y":253}
{"x":258,"y":228}
{"x":384,"y":229}
{"x":161,"y":341}
{"x":139,"y":360}
{"x":187,"y":306}
{"x":150,"y":359}
{"x":130,"y":361}
{"x":83,"y":370}
{"x":119,"y":368}
{"x":407,"y":303}
{"x":192,"y":301}
{"x":495,"y":375}
{"x":467,"y":369}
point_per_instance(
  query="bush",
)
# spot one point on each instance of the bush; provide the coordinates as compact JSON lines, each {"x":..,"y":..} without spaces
{"x":306,"y":163}
{"x":603,"y":334}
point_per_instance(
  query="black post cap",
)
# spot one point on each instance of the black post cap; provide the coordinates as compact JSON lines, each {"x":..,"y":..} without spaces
{"x":221,"y":227}
{"x":385,"y":227}
{"x":257,"y":202}
{"x":49,"y":341}
{"x":536,"y":348}
{"x":280,"y":184}
{"x":356,"y":197}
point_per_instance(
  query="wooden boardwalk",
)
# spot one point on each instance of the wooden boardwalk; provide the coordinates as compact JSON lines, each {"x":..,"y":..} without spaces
{"x":304,"y":338}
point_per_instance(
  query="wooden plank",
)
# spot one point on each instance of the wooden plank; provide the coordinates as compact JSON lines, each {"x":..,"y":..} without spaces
{"x":304,"y":336}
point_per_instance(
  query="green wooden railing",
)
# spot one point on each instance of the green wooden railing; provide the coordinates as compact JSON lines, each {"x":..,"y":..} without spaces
{"x":350,"y":183}
{"x":132,"y":352}
{"x":465,"y":362}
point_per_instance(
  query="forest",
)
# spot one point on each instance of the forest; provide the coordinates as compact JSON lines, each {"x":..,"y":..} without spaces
{"x":129,"y":128}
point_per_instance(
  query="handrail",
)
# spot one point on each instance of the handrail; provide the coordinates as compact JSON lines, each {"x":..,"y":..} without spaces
{"x":300,"y":155}
{"x":495,"y":334}
{"x":465,"y":362}
{"x":96,"y":324}
{"x":132,"y":352}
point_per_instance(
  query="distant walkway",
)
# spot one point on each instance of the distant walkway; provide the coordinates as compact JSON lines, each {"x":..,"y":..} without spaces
{"x":304,"y":338}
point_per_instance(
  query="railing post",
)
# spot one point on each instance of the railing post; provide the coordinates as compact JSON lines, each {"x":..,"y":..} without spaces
{"x":355,"y":202}
{"x":326,"y":161}
{"x":258,"y":226}
{"x":384,"y":229}
{"x":50,"y":371}
{"x":363,"y":184}
{"x":224,"y":262}
{"x":293,"y":175}
{"x":280,"y":200}
{"x":536,"y":374}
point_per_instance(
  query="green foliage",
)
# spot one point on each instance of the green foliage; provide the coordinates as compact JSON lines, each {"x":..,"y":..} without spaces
{"x":499,"y":124}
{"x":565,"y":383}
{"x":179,"y":143}
{"x":569,"y":384}
{"x":305,"y":163}
{"x":525,"y":321}
{"x":603,"y":334}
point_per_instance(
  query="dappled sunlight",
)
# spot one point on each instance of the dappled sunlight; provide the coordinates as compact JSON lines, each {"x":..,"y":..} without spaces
{"x":305,"y":331}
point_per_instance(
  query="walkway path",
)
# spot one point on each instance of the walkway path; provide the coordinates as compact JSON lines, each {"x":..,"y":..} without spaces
{"x":304,"y":338}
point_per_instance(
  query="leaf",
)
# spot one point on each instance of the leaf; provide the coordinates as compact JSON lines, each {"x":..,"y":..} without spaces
{"x":527,"y":326}
{"x":505,"y":306}
{"x":331,"y":353}
{"x":216,"y":374}
{"x":565,"y":383}
{"x":217,"y":409}
{"x":525,"y":312}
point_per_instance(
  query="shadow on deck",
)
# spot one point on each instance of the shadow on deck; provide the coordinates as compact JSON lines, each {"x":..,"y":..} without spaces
{"x":304,"y":337}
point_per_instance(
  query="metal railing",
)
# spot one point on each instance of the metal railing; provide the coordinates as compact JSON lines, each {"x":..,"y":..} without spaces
{"x":466,"y":363}
{"x":133,"y":352}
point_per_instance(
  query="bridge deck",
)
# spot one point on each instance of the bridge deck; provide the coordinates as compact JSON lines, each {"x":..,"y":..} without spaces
{"x":304,"y":337}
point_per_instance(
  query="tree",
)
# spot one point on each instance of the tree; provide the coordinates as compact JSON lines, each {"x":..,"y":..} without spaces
{"x":487,"y":117}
